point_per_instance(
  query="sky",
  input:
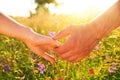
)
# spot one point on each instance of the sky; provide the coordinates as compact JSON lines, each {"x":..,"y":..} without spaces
{"x":23,"y":7}
{"x":17,"y":7}
{"x":80,"y":6}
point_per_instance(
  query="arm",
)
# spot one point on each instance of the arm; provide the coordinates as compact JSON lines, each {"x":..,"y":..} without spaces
{"x":11,"y":28}
{"x":83,"y":38}
{"x":107,"y":21}
{"x":36,"y":42}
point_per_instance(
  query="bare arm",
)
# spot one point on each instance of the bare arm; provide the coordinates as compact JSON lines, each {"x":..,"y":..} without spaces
{"x":11,"y":28}
{"x":36,"y":42}
{"x":107,"y":21}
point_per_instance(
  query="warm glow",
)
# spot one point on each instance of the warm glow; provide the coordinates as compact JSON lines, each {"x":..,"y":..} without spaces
{"x":79,"y":6}
{"x":17,"y":7}
{"x":23,"y":7}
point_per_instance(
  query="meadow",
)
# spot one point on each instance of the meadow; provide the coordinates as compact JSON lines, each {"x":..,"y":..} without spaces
{"x":17,"y":62}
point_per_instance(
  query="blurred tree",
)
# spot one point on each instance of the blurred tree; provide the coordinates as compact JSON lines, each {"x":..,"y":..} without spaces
{"x":42,"y":2}
{"x":41,"y":5}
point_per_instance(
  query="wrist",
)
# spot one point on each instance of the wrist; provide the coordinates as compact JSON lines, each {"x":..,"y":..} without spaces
{"x":97,"y":30}
{"x":26,"y":34}
{"x":101,"y":29}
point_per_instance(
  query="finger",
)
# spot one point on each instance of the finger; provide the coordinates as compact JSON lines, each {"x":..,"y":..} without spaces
{"x":69,"y":58}
{"x":45,"y":40}
{"x":72,"y":58}
{"x":63,"y":33}
{"x":48,"y":57}
{"x":55,"y":44}
{"x":66,"y":55}
{"x":72,"y":55}
{"x":69,"y":45}
{"x":72,"y":52}
{"x":51,"y":44}
{"x":44,"y":54}
{"x":83,"y":55}
{"x":87,"y":51}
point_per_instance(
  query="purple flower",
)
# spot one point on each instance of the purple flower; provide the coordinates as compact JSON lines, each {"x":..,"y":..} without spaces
{"x":6,"y":67}
{"x":51,"y":33}
{"x":97,"y":47}
{"x":41,"y":68}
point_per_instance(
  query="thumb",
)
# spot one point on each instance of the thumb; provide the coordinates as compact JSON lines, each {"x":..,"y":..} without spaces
{"x":63,"y":33}
{"x":46,"y":56}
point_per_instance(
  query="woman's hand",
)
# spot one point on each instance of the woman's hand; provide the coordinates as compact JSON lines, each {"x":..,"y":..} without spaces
{"x":39,"y":44}
{"x":36,"y":42}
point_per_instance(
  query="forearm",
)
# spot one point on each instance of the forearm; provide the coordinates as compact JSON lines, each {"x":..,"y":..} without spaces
{"x":11,"y":28}
{"x":107,"y":21}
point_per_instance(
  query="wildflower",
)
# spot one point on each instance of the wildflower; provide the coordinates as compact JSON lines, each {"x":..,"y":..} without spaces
{"x":112,"y":68}
{"x":97,"y":47}
{"x":51,"y":33}
{"x":35,"y":60}
{"x":91,"y":71}
{"x":41,"y":68}
{"x":36,"y":71}
{"x":60,"y":79}
{"x":6,"y":68}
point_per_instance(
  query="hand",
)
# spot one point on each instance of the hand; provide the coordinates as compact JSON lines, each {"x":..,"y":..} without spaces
{"x":39,"y":44}
{"x":82,"y":40}
{"x":36,"y":42}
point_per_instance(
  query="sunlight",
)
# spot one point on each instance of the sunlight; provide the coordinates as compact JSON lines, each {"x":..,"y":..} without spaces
{"x":79,"y":6}
{"x":17,"y":7}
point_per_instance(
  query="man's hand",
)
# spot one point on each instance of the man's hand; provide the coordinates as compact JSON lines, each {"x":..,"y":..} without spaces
{"x":82,"y":40}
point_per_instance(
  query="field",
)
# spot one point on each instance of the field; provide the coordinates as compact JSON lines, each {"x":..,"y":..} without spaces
{"x":17,"y":62}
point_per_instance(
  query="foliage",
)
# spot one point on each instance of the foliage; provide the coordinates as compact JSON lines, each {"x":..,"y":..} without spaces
{"x":41,"y":5}
{"x":40,"y":2}
{"x":17,"y":62}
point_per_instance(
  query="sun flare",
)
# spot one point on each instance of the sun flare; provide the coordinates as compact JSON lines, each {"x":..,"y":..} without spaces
{"x":79,"y":6}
